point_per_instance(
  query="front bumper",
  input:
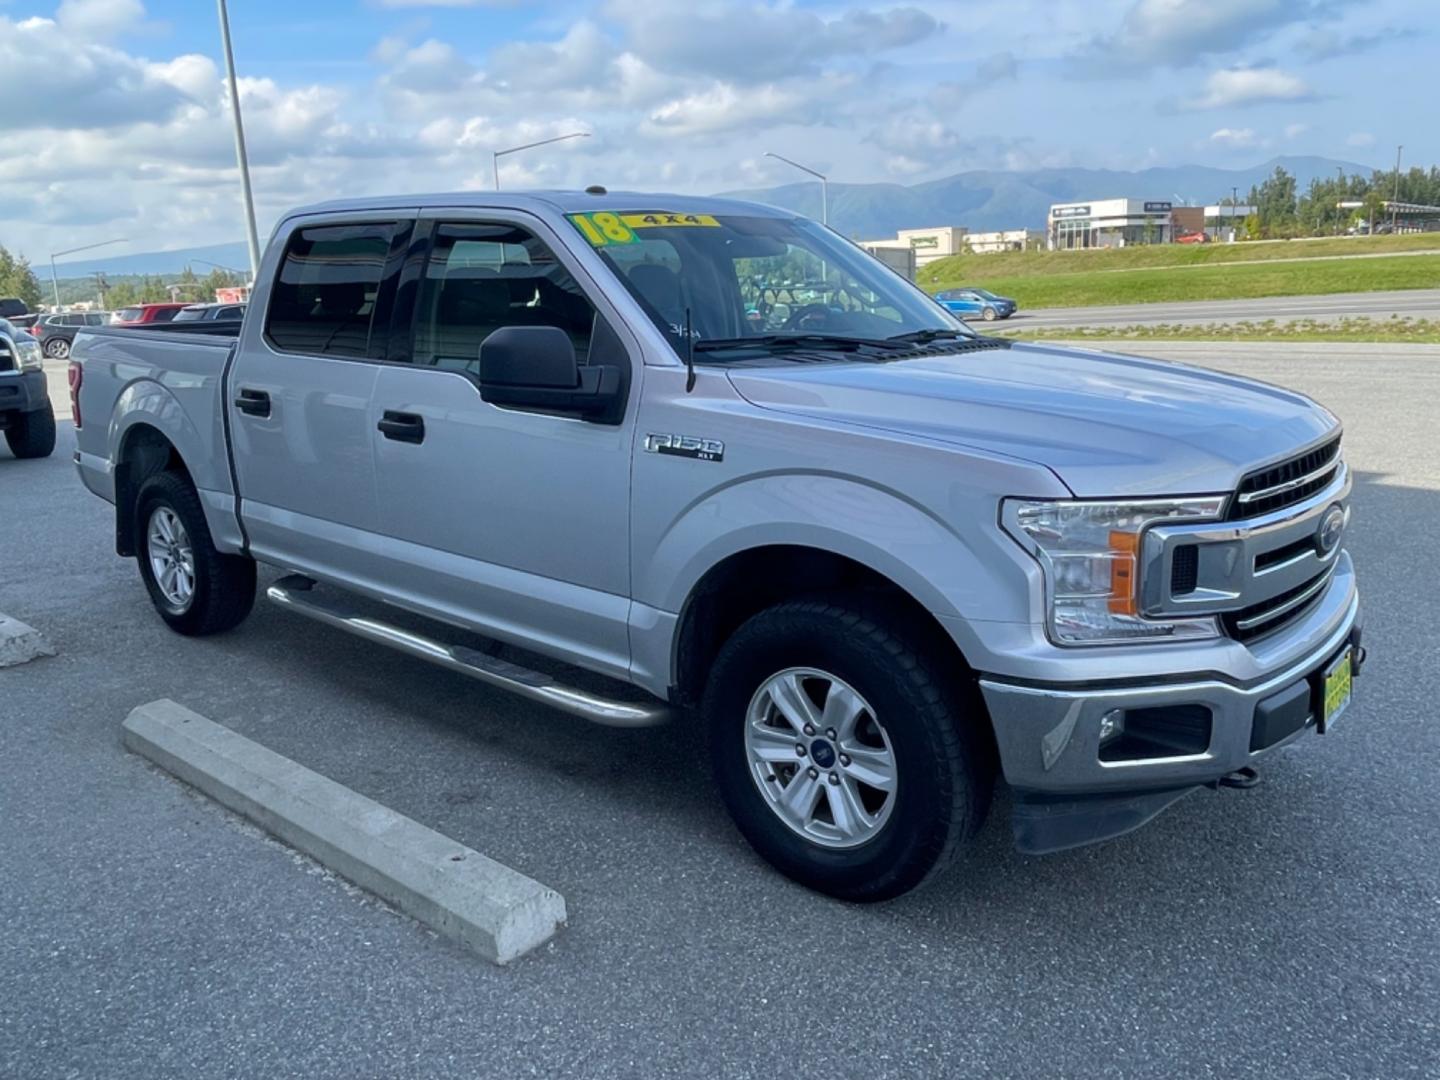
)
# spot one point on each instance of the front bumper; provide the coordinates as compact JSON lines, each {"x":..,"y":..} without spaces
{"x":1049,"y":736}
{"x":23,"y":391}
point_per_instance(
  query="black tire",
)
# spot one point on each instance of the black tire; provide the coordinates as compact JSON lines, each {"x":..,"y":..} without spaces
{"x":944,"y":777}
{"x":989,"y":314}
{"x":57,"y":348}
{"x":224,"y":585}
{"x":32,"y":434}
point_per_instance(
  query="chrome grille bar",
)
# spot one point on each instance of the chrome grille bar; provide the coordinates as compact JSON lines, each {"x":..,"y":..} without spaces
{"x":1300,"y":599}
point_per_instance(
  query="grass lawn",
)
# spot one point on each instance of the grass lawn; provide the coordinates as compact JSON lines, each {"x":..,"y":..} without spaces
{"x":961,"y":270}
{"x":1414,"y":331}
{"x":1233,"y":281}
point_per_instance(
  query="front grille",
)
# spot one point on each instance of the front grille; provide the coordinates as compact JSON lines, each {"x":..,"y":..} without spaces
{"x":1278,"y":486}
{"x":1185,"y":569}
{"x":1270,"y":615}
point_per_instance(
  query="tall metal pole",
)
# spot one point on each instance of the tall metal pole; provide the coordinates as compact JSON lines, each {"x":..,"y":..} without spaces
{"x":1395,"y":197}
{"x":55,"y":281}
{"x":496,"y":155}
{"x":824,"y":184}
{"x":253,"y":236}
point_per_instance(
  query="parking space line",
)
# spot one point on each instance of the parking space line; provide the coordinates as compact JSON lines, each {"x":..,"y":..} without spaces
{"x":20,"y":643}
{"x":455,"y":890}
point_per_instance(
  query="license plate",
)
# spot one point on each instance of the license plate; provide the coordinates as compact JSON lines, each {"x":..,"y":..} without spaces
{"x":1335,"y":690}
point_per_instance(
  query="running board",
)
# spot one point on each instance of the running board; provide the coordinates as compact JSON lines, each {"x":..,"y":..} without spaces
{"x":298,"y":594}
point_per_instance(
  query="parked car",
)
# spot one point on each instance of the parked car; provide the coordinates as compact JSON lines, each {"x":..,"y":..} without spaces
{"x":1192,"y":238}
{"x":877,"y":560}
{"x":140,"y":314}
{"x":56,"y":332}
{"x":12,"y":306}
{"x":209,"y":312}
{"x":23,"y":322}
{"x":977,"y":302}
{"x":25,"y":413}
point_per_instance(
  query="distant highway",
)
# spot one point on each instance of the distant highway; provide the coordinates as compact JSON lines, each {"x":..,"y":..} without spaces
{"x":1411,"y":303}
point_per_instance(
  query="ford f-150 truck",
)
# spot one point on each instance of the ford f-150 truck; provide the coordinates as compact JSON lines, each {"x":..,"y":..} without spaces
{"x":716,"y":451}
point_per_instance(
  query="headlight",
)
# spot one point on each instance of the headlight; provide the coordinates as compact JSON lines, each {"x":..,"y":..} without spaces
{"x":1089,"y":552}
{"x":27,"y":349}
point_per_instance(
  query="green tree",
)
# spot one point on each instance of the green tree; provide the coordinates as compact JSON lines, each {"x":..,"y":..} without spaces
{"x":1275,"y":204}
{"x":17,"y":279}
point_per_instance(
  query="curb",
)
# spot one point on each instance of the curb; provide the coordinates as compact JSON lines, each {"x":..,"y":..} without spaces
{"x":453,"y":889}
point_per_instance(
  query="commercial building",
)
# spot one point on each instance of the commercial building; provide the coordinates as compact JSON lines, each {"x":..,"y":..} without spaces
{"x":900,"y":259}
{"x":984,"y":243}
{"x":1105,"y":223}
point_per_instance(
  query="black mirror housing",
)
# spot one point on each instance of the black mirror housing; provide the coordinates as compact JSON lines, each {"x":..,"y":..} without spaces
{"x":535,"y":367}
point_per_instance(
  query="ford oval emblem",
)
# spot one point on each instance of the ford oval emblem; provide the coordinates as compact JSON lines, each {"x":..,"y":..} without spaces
{"x":1327,"y":537}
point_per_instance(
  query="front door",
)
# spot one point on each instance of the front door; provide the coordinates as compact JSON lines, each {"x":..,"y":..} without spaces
{"x":300,"y":393}
{"x":516,"y":521}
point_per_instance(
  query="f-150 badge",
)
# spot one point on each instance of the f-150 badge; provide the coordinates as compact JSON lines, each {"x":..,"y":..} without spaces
{"x":686,"y":446}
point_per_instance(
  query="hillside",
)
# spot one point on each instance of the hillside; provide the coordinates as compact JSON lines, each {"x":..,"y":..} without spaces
{"x":983,"y":200}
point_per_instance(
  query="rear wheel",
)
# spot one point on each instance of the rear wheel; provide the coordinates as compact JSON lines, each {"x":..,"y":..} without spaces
{"x":838,"y":751}
{"x":32,"y":434}
{"x":57,"y":348}
{"x":195,"y":588}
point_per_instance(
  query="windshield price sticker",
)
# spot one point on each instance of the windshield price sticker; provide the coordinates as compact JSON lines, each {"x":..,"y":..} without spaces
{"x":604,"y":228}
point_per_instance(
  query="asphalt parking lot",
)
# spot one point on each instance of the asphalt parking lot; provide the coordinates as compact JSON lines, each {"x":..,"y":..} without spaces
{"x":1288,"y":931}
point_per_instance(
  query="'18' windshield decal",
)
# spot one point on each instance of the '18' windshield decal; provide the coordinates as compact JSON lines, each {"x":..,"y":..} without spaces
{"x":604,"y":228}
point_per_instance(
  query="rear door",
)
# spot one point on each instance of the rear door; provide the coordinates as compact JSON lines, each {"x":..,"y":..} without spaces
{"x":300,"y":390}
{"x":516,"y":521}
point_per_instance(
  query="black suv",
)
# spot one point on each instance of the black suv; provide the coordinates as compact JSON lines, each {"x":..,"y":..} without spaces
{"x":58,"y":331}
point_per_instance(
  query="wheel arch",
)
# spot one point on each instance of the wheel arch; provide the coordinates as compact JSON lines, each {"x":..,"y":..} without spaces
{"x":141,"y":451}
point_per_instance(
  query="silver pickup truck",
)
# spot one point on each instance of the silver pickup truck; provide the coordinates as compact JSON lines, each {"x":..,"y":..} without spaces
{"x":717,"y":452}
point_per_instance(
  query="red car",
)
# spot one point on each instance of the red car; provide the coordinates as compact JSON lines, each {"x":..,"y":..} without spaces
{"x":138,"y":314}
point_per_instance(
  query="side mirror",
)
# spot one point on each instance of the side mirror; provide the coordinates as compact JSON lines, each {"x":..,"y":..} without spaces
{"x":535,"y":367}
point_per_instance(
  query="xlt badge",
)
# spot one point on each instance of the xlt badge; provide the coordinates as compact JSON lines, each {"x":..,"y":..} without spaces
{"x":686,"y":446}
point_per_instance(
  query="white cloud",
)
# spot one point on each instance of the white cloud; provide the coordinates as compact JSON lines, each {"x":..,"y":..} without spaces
{"x":1294,"y":131}
{"x":1360,"y":139}
{"x":1235,"y":138}
{"x":1182,"y":32}
{"x":1250,"y":86}
{"x":99,"y":18}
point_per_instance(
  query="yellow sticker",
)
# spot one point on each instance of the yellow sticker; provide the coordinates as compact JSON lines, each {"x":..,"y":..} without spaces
{"x":603,"y":228}
{"x":669,"y":221}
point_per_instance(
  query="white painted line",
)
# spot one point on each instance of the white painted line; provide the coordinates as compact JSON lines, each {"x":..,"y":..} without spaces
{"x":451,"y":888}
{"x":20,"y":643}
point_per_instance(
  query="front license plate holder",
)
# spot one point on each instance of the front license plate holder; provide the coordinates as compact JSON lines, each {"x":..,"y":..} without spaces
{"x":1333,"y":688}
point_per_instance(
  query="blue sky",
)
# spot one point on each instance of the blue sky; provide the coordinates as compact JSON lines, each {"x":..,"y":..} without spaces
{"x":117,"y":108}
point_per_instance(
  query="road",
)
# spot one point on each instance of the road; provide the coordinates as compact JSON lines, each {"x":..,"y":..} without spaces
{"x":1407,"y":303}
{"x":1288,"y":931}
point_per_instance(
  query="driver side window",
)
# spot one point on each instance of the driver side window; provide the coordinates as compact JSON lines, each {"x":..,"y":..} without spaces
{"x":479,"y":278}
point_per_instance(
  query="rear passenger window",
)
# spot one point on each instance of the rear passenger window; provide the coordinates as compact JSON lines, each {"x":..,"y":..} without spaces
{"x":482,"y":277}
{"x":323,"y":300}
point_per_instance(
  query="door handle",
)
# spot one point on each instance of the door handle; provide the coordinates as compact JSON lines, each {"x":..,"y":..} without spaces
{"x":402,"y":426}
{"x":253,"y":402}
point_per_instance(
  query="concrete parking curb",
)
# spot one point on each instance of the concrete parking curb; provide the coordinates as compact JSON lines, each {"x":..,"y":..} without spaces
{"x":20,"y":643}
{"x":451,"y":888}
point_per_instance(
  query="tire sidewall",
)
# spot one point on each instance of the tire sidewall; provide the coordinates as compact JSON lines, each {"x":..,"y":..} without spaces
{"x":989,"y":314}
{"x":910,"y":841}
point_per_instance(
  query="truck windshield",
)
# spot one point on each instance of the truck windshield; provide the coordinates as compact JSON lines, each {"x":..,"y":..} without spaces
{"x":755,"y":282}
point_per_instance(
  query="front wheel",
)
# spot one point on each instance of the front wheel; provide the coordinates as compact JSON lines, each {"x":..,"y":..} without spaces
{"x":839,"y":752}
{"x":195,"y":588}
{"x":989,"y":314}
{"x":32,"y":434}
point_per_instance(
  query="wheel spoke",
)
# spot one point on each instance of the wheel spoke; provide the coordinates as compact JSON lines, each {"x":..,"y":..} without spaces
{"x":843,"y":709}
{"x":162,"y":523}
{"x":799,"y":797}
{"x":872,"y":766}
{"x":794,"y":704}
{"x":851,"y":818}
{"x":772,"y":744}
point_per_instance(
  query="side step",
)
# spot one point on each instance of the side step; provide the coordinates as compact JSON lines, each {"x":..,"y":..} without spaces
{"x":297,"y":593}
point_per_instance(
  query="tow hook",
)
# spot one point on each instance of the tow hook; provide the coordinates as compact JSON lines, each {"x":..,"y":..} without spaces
{"x":1247,"y":776}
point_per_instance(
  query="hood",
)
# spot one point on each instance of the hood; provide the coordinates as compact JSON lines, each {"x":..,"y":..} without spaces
{"x":1107,"y":425}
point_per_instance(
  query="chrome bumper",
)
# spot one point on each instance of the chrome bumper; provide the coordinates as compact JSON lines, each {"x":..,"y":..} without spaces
{"x":1049,"y":736}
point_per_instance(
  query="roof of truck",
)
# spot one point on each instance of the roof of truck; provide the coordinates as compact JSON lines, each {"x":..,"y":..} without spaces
{"x":566,"y":202}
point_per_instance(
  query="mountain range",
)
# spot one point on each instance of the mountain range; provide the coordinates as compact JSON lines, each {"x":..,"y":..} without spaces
{"x":981,"y":200}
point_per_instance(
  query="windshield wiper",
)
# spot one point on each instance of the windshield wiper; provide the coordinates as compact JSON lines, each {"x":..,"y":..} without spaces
{"x":839,"y":342}
{"x":924,"y":337}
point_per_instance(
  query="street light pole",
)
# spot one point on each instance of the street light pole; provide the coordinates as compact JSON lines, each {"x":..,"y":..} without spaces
{"x":55,"y":280}
{"x":498,"y":154}
{"x":1395,"y":196}
{"x":252,"y":236}
{"x":824,"y":185}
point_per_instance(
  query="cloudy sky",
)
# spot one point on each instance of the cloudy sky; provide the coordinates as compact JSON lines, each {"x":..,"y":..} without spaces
{"x":114,"y":120}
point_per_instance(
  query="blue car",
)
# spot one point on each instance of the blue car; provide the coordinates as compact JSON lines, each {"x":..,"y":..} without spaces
{"x":966,"y":302}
